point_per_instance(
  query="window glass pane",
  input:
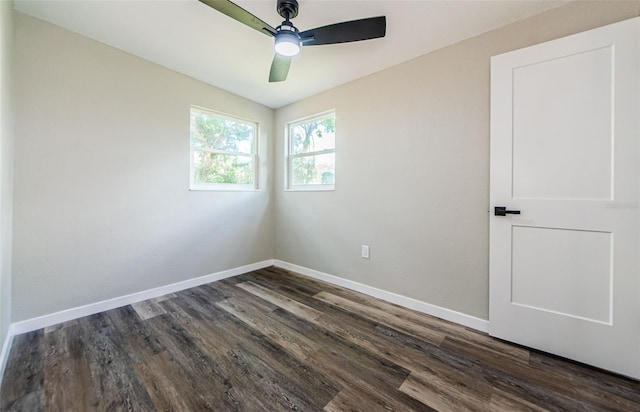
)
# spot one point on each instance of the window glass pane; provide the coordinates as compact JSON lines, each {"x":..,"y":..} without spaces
{"x":222,"y":168}
{"x":315,"y":170}
{"x":313,"y":136}
{"x":214,"y":132}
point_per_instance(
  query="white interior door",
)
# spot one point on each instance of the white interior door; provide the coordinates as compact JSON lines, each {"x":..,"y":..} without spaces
{"x":565,"y":152}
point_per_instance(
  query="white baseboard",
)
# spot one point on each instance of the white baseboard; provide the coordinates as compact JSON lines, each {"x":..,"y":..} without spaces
{"x":92,"y":308}
{"x":433,"y":310}
{"x":6,"y":348}
{"x":74,"y":313}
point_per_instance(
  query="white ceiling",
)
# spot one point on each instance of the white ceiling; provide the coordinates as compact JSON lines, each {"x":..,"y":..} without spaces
{"x":191,"y":38}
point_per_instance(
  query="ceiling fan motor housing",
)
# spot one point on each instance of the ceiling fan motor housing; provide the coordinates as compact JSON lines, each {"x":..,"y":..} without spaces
{"x":287,"y":27}
{"x":288,"y":9}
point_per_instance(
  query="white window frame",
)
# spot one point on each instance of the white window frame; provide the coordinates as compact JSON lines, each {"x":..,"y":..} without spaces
{"x":254,"y":156}
{"x":288,"y":175}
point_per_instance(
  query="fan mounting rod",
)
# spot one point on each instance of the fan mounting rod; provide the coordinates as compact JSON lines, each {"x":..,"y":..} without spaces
{"x":288,"y":9}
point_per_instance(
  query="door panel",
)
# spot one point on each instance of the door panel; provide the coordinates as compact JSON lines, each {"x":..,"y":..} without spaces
{"x":562,"y":127}
{"x":567,"y":272}
{"x":565,"y":131}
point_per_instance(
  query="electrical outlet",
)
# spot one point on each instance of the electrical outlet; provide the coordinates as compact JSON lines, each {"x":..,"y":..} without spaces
{"x":365,"y":251}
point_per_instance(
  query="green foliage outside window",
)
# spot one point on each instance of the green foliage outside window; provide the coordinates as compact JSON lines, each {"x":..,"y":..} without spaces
{"x":219,"y":168}
{"x":317,"y":139}
{"x":222,"y":149}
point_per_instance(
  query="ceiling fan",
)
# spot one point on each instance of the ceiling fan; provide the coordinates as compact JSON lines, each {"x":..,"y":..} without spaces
{"x":288,"y":39}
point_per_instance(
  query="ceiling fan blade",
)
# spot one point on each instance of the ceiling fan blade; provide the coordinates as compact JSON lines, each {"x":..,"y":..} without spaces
{"x":279,"y":68}
{"x":348,"y":31}
{"x":238,"y":13}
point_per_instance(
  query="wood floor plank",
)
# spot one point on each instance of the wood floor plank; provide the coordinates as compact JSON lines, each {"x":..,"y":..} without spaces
{"x":265,"y":368}
{"x":350,"y":358}
{"x":380,"y":394}
{"x":292,"y":341}
{"x":199,"y":379}
{"x":273,"y":340}
{"x":500,"y":378}
{"x":378,"y":339}
{"x":272,"y":278}
{"x":364,"y":398}
{"x":30,"y":402}
{"x":210,"y":291}
{"x":305,"y":284}
{"x":23,"y":383}
{"x":113,"y":387}
{"x":376,"y":397}
{"x":398,"y":347}
{"x":448,"y":393}
{"x":505,"y":402}
{"x":230,"y":290}
{"x":166,"y":392}
{"x":517,"y":353}
{"x":282,"y":301}
{"x":285,"y":280}
{"x":164,"y":297}
{"x":359,"y":326}
{"x":134,"y":334}
{"x":339,"y":326}
{"x":66,"y":371}
{"x":598,"y":380}
{"x":535,"y":380}
{"x":315,"y":325}
{"x":148,"y":309}
{"x":53,"y":328}
{"x":389,"y":319}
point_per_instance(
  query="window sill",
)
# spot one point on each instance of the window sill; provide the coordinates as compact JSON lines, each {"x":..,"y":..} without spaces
{"x":311,"y":188}
{"x":223,"y":188}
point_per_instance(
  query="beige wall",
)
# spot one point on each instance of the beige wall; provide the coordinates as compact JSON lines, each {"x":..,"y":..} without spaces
{"x":412,"y":168}
{"x":6,"y":149}
{"x":102,"y":207}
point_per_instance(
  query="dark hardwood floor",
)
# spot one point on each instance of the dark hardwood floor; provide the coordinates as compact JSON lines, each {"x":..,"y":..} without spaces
{"x":272,"y":340}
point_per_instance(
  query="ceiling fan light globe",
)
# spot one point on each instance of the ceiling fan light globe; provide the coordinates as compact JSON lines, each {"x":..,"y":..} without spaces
{"x":287,"y":44}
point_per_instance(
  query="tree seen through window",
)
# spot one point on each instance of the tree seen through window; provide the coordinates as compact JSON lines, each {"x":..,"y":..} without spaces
{"x":312,"y":151}
{"x":222,"y":149}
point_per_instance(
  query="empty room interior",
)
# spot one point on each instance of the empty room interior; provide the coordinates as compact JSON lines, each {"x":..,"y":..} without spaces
{"x":320,"y":205}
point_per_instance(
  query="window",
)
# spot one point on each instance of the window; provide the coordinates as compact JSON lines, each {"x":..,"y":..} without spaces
{"x":311,"y":153}
{"x":222,"y":152}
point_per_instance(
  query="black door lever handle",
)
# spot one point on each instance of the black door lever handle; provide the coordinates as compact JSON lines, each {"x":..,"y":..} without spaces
{"x":502,"y":211}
